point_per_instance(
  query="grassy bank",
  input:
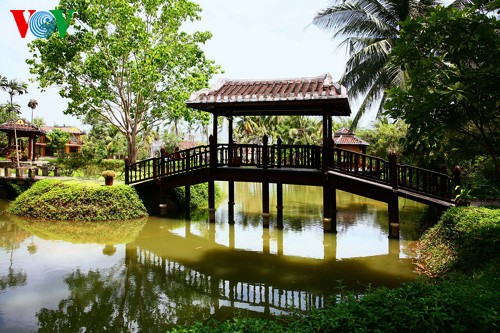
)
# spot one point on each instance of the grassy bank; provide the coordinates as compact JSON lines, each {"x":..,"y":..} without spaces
{"x":460,"y":253}
{"x":69,"y":200}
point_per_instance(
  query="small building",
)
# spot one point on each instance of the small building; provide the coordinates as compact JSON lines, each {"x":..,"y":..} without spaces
{"x":345,"y":139}
{"x":22,"y":129}
{"x":74,"y":144}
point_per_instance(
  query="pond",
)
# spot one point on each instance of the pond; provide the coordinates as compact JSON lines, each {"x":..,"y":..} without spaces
{"x":155,"y":273}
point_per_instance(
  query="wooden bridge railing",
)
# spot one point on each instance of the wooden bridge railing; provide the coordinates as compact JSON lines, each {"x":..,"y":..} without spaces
{"x":364,"y":166}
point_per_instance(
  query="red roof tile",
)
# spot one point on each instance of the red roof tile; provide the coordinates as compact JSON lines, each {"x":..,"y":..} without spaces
{"x":321,"y":87}
{"x":346,"y":137}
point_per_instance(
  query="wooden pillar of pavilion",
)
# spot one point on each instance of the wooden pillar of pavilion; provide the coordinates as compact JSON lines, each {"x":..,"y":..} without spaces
{"x":213,"y":164}
{"x":230,"y":202}
{"x":393,"y":204}
{"x":279,"y":205}
{"x":329,"y":192}
{"x":265,"y":205}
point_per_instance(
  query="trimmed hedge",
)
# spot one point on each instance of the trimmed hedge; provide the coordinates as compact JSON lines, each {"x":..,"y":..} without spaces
{"x":69,"y":200}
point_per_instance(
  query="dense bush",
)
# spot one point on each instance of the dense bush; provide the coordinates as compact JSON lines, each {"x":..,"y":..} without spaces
{"x":60,"y":200}
{"x":199,"y":195}
{"x":466,"y":238}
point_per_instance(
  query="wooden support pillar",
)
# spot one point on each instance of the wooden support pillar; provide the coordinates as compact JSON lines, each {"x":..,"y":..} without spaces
{"x":393,"y":205}
{"x":211,"y":201}
{"x":393,"y":212}
{"x":230,"y":141}
{"x":333,"y":209}
{"x":279,"y":205}
{"x":327,"y":208}
{"x":230,"y":202}
{"x":187,"y":199}
{"x":265,"y":205}
{"x":163,"y":198}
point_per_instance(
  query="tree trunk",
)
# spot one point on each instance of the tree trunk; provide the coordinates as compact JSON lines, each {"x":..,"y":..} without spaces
{"x":131,"y":147}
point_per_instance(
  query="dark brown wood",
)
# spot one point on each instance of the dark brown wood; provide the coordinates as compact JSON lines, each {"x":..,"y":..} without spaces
{"x":279,"y":205}
{"x":230,"y":203}
{"x":265,"y":204}
{"x":211,"y":201}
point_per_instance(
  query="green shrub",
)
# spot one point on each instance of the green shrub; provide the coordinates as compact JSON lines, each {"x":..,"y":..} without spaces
{"x":64,"y":200}
{"x":465,"y":239}
{"x":115,"y":165}
{"x":199,"y":195}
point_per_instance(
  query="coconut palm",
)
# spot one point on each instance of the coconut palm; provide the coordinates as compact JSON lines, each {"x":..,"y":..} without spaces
{"x":14,"y":87}
{"x":369,"y":29}
{"x":32,"y":104}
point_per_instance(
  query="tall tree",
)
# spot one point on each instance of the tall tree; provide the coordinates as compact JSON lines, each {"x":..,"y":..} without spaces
{"x":452,"y":98}
{"x":369,"y":30}
{"x":126,"y":62}
{"x":14,"y":87}
{"x":32,"y":104}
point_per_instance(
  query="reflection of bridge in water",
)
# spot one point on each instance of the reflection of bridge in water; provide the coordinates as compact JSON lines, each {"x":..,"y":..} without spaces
{"x":254,"y":296}
{"x":258,"y":281}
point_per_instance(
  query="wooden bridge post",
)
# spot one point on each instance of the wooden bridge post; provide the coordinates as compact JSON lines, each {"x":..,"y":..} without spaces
{"x":393,"y":204}
{"x":213,"y":151}
{"x":327,"y":208}
{"x":211,"y":201}
{"x":187,"y":197}
{"x":279,"y":142}
{"x":265,"y":151}
{"x":265,"y":205}
{"x":230,"y":202}
{"x":279,"y":205}
{"x":230,"y":141}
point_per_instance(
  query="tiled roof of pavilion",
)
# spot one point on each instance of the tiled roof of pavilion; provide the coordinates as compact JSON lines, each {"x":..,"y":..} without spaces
{"x":313,"y":92}
{"x":20,"y":125}
{"x":346,"y":137}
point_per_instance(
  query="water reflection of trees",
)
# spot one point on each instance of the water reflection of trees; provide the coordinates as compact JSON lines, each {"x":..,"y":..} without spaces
{"x":123,"y":299}
{"x":11,"y":236}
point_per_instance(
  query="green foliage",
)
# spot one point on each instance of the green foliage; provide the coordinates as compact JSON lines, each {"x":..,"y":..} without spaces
{"x":57,"y":141}
{"x":58,"y":200}
{"x":451,"y":97}
{"x":384,"y":137}
{"x":128,"y":63}
{"x":369,"y":30}
{"x":465,"y":239}
{"x":9,"y":190}
{"x":199,"y":195}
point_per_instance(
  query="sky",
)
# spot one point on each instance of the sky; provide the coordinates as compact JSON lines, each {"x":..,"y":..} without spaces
{"x":258,"y":39}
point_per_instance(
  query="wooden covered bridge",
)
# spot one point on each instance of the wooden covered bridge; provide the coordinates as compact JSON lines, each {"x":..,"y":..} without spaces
{"x":323,"y":165}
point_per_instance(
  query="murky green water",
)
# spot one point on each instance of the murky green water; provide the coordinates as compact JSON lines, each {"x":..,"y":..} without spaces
{"x":149,"y":275}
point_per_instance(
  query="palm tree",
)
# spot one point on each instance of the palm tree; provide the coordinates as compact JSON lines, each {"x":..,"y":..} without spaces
{"x":369,"y":29}
{"x":14,"y":87}
{"x":32,"y":104}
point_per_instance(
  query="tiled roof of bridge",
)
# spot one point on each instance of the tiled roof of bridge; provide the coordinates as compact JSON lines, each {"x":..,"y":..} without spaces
{"x":320,"y":87}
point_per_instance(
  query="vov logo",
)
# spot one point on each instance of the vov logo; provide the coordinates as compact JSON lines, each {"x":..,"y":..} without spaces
{"x":42,"y":24}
